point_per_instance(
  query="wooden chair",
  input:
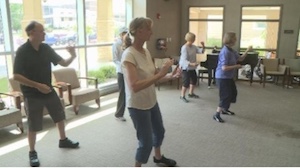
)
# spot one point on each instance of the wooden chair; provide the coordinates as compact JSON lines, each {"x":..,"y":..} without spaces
{"x":293,"y":69}
{"x":12,"y":115}
{"x":16,"y":90}
{"x":173,"y":75}
{"x":73,"y":91}
{"x":271,"y":67}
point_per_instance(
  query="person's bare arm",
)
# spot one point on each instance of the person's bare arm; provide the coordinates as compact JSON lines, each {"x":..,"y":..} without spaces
{"x":242,"y":57}
{"x":227,"y":68}
{"x":67,"y":62}
{"x":135,"y":84}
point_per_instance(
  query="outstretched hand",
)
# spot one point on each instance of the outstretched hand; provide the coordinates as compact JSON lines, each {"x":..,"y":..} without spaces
{"x":249,"y":48}
{"x":71,"y":50}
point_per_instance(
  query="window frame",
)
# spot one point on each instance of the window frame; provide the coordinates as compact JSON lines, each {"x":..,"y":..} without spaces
{"x":208,"y":20}
{"x":261,"y":20}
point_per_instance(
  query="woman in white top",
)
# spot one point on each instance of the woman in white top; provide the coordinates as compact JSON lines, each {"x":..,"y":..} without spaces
{"x":140,"y":76}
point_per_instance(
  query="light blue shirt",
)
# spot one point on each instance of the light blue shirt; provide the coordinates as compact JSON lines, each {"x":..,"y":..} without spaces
{"x":227,"y":57}
{"x":189,"y":55}
{"x":117,"y":52}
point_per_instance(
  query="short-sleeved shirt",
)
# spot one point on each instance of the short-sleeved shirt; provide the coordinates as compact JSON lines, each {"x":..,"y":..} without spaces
{"x":146,"y":98}
{"x":189,"y":55}
{"x":228,"y":57}
{"x":35,"y":65}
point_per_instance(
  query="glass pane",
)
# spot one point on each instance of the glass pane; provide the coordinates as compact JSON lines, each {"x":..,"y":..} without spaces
{"x":16,"y":16}
{"x":206,"y":13}
{"x":60,"y":22}
{"x":91,"y":21}
{"x":100,"y":64}
{"x":103,"y":20}
{"x":261,"y":13}
{"x":1,"y":32}
{"x":298,"y":46}
{"x":261,"y":35}
{"x":210,"y":32}
{"x":3,"y":74}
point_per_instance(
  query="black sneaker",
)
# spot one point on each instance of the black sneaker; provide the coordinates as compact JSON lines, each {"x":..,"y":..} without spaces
{"x":165,"y":161}
{"x":193,"y":96}
{"x":218,"y":118}
{"x":227,"y":112}
{"x":184,"y":99}
{"x":67,"y":143}
{"x":33,"y":159}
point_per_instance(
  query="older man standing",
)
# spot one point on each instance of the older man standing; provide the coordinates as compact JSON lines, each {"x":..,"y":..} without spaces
{"x":32,"y":68}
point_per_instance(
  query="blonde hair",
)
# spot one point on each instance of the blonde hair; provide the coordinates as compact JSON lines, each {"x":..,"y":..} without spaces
{"x":190,"y":36}
{"x":135,"y":24}
{"x":229,"y":38}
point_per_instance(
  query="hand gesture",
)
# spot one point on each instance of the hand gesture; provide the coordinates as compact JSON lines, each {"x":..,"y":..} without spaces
{"x":44,"y":88}
{"x":238,"y":66}
{"x":202,"y":43}
{"x":166,"y":66}
{"x":249,"y":48}
{"x":71,"y":50}
{"x":195,"y":64}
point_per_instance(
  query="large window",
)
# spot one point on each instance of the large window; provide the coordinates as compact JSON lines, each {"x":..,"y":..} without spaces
{"x":260,"y":27}
{"x":90,"y":25}
{"x":298,"y":46}
{"x":207,"y":24}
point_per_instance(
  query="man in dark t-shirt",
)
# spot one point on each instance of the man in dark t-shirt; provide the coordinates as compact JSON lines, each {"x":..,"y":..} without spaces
{"x":32,"y":68}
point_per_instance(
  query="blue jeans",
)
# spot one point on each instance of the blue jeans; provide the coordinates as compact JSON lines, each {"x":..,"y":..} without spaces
{"x":149,"y":131}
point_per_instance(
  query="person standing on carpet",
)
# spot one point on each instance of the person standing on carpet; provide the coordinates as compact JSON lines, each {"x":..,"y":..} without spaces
{"x":225,"y":71}
{"x":117,"y":51}
{"x":140,"y":76}
{"x":188,"y":64}
{"x":32,"y":68}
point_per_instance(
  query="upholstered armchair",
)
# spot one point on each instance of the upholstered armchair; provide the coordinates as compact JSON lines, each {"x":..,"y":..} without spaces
{"x":73,"y":91}
{"x":16,"y":90}
{"x":293,"y":69}
{"x":11,"y":115}
{"x":271,"y":67}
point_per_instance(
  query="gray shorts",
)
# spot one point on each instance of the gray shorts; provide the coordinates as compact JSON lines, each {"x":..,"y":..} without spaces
{"x":34,"y":110}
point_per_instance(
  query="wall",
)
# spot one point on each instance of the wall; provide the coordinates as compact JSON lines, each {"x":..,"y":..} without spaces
{"x":289,"y":20}
{"x":168,"y":26}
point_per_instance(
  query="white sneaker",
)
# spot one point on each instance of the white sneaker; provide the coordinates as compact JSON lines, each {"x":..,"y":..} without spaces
{"x":121,"y":118}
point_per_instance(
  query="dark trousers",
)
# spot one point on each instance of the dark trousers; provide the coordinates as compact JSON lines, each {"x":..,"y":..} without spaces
{"x":121,"y":100}
{"x":227,"y":92}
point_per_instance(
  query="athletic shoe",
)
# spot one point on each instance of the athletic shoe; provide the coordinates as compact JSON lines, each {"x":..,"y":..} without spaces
{"x":67,"y":143}
{"x":121,"y":118}
{"x":218,"y":118}
{"x":184,"y":99}
{"x":227,"y":112}
{"x":33,"y":159}
{"x":193,"y":96}
{"x":165,"y":161}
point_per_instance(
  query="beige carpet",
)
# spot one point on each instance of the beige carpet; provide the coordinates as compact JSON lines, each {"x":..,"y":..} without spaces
{"x":264,"y":132}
